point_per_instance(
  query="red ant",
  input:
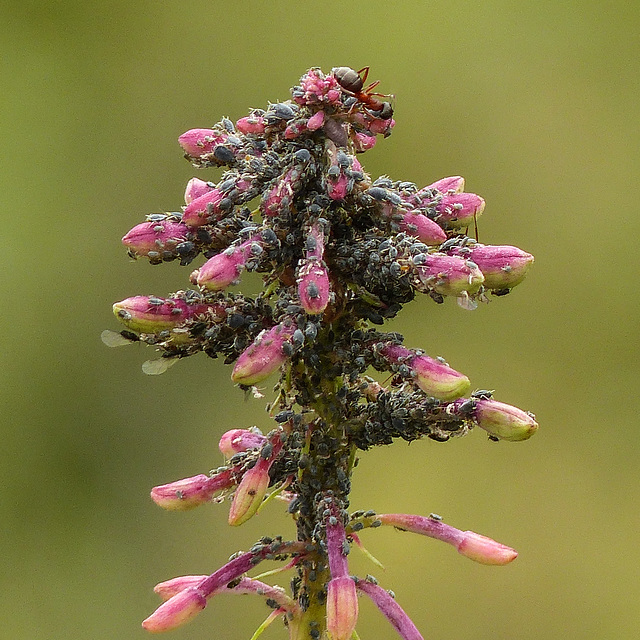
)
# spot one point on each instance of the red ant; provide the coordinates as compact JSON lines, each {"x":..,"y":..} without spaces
{"x":353,"y":82}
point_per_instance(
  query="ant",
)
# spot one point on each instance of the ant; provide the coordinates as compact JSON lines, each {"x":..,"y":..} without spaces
{"x":353,"y":82}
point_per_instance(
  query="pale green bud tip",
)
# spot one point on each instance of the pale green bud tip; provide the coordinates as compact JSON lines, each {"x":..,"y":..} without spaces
{"x":342,"y":608}
{"x":485,"y":550}
{"x":176,"y":611}
{"x":504,"y":421}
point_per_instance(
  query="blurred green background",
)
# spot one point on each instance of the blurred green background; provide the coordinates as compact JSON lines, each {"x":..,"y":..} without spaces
{"x":535,"y":103}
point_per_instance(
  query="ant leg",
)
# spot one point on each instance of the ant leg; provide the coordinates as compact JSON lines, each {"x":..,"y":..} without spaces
{"x":364,"y":70}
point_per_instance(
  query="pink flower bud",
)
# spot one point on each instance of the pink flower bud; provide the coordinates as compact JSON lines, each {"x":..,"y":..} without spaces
{"x":390,"y":609}
{"x":362,"y":142}
{"x":342,"y":608}
{"x":170,"y":588}
{"x":450,"y":275}
{"x":423,"y":228}
{"x":382,"y":126}
{"x":504,"y":421}
{"x":485,"y":550}
{"x":453,"y":184}
{"x":253,"y":486}
{"x":149,"y":237}
{"x":253,"y":124}
{"x":204,"y":209}
{"x":198,"y":142}
{"x":196,"y":188}
{"x":314,"y":287}
{"x":263,"y":357}
{"x":176,"y":611}
{"x":239,"y":440}
{"x":458,"y":209}
{"x":191,"y":492}
{"x":315,"y":121}
{"x":435,"y":378}
{"x":295,"y":129}
{"x":147,"y":314}
{"x":219,"y":272}
{"x":471,"y":545}
{"x":502,"y":266}
{"x":250,"y":493}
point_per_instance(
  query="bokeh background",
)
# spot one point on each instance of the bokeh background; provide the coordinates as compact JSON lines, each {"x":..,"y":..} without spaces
{"x":535,"y":103}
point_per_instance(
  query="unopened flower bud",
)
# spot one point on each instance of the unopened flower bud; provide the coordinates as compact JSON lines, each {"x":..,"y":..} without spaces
{"x":342,"y":608}
{"x":502,"y":266}
{"x":170,"y":588}
{"x":458,"y":209}
{"x":198,"y":142}
{"x":485,"y":550}
{"x":504,"y":421}
{"x":250,"y":493}
{"x":313,"y":287}
{"x":435,"y":378}
{"x":450,"y":275}
{"x":279,"y":198}
{"x":253,"y":124}
{"x":189,"y":493}
{"x":223,"y":269}
{"x":159,"y":237}
{"x":239,"y":440}
{"x":146,"y":314}
{"x":176,"y":611}
{"x":423,"y":228}
{"x":263,"y":357}
{"x":196,"y":188}
{"x":204,"y":209}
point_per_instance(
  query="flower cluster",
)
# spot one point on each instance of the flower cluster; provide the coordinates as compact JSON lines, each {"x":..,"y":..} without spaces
{"x":339,"y":253}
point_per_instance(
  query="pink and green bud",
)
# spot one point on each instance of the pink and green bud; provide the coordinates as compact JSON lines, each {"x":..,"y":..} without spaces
{"x":252,"y":124}
{"x":453,"y":184}
{"x":504,"y":421}
{"x":390,"y":609}
{"x":170,"y":588}
{"x":502,"y":266}
{"x":224,"y":269}
{"x":264,"y":356}
{"x":342,"y":608}
{"x":450,"y":275}
{"x":198,"y":142}
{"x":176,"y":611}
{"x":189,"y":493}
{"x":469,"y":544}
{"x":196,"y":188}
{"x":455,"y":210}
{"x":314,"y":287}
{"x":253,"y":486}
{"x":435,"y":378}
{"x":318,"y":88}
{"x":423,"y":228}
{"x":240,"y":440}
{"x":158,"y":237}
{"x":147,"y":314}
